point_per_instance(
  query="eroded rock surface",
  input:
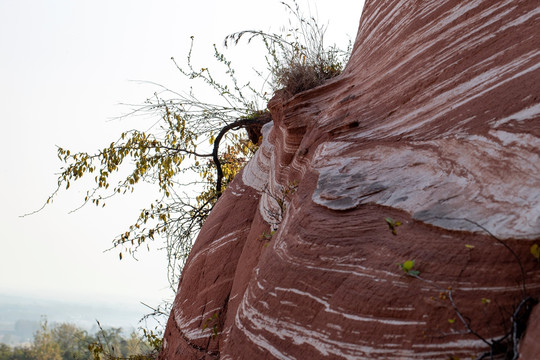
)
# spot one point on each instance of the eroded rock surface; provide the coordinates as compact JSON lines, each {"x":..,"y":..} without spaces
{"x":435,"y":123}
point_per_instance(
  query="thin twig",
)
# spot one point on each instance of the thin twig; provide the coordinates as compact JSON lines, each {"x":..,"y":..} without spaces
{"x":514,"y":254}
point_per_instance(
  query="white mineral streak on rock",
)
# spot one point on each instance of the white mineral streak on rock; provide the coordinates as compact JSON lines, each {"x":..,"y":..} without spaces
{"x":256,"y":171}
{"x":260,"y":174}
{"x":521,"y":19}
{"x":218,"y":243}
{"x":323,"y":264}
{"x":237,"y":191}
{"x":408,"y":308}
{"x":524,"y":114}
{"x":259,"y":327}
{"x":491,"y":79}
{"x":433,"y":103}
{"x":187,"y":322}
{"x":440,"y":182}
{"x":436,"y":106}
{"x":522,"y":140}
{"x":246,"y":313}
{"x":453,"y":344}
{"x":495,"y":289}
{"x":329,"y":309}
{"x":192,"y":326}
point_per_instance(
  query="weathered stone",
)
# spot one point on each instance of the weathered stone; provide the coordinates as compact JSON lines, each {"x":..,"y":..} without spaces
{"x":434,"y":123}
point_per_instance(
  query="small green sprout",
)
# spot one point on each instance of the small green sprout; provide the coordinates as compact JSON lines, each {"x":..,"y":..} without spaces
{"x":267,"y":236}
{"x":407,"y":267}
{"x":209,"y":321}
{"x":392,"y":224}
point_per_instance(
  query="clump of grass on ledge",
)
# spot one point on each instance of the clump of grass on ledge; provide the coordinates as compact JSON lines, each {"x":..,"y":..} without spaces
{"x":297,"y":58}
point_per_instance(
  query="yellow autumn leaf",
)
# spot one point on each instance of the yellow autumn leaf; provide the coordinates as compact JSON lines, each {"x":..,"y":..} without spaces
{"x":535,"y":251}
{"x":408,"y":265}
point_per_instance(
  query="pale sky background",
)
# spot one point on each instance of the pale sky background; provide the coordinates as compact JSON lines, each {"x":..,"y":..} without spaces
{"x":65,"y":66}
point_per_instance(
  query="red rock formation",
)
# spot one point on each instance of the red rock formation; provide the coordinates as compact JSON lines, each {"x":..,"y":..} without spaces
{"x":435,"y":123}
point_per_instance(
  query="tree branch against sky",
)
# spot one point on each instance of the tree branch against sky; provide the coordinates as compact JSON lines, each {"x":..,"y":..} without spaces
{"x":196,"y":138}
{"x":62,"y":74}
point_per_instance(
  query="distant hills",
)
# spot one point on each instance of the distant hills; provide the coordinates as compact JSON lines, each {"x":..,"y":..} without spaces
{"x":20,"y":316}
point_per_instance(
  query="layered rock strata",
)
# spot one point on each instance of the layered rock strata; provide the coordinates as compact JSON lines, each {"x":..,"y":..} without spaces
{"x":434,"y":124}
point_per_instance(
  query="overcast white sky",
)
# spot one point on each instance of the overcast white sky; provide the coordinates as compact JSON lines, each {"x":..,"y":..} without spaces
{"x":65,"y":65}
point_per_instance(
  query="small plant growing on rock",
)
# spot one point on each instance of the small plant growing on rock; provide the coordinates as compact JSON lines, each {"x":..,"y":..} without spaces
{"x":392,"y":224}
{"x":407,"y":267}
{"x":282,"y":199}
{"x":297,"y":58}
{"x":266,"y":237}
{"x":212,"y":321}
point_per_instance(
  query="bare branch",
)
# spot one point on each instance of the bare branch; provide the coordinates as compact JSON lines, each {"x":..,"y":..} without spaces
{"x":242,"y":123}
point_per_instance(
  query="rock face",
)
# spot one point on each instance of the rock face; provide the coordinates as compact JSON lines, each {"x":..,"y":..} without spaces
{"x":434,"y":124}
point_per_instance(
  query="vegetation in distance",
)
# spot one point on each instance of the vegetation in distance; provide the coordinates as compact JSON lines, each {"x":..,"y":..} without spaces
{"x":66,"y":341}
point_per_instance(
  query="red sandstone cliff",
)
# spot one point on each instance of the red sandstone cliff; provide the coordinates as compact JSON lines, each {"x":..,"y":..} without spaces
{"x":435,"y":123}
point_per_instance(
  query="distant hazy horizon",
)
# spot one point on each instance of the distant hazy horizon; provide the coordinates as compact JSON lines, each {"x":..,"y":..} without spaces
{"x":83,"y":314}
{"x":62,"y":310}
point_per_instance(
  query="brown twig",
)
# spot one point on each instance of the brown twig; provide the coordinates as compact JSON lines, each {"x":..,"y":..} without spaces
{"x":242,"y":123}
